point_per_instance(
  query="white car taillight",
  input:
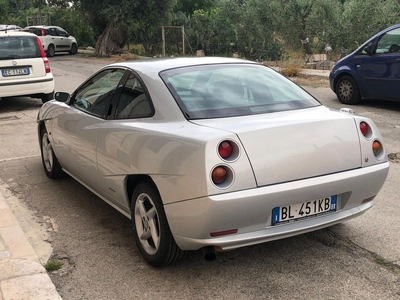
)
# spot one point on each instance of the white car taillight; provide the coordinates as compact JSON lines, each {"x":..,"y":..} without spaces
{"x":43,"y":55}
{"x":46,"y":65}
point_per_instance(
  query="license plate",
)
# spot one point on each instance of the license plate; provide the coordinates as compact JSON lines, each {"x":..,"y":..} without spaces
{"x":304,"y":210}
{"x":15,"y":72}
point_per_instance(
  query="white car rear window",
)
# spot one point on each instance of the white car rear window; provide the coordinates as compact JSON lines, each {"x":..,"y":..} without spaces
{"x":18,"y":47}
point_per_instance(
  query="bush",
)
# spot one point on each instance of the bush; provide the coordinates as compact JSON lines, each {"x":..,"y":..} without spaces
{"x":291,"y":70}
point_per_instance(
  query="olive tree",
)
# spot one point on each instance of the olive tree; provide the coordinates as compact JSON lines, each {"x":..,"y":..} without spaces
{"x":363,"y":18}
{"x":111,"y":19}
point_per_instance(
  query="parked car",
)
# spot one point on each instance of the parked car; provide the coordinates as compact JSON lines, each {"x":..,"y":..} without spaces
{"x":372,"y":71}
{"x":4,"y":27}
{"x":211,"y":153}
{"x":54,"y":39}
{"x":24,"y":67}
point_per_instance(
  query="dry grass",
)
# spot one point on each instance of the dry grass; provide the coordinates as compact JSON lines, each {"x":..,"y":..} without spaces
{"x":291,"y":70}
{"x":311,"y":81}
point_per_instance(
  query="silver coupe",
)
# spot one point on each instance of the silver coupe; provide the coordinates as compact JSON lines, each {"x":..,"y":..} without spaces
{"x":211,"y":153}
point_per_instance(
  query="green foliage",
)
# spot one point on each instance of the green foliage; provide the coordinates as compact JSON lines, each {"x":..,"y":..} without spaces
{"x":189,"y":6}
{"x":363,"y":18}
{"x":53,"y":265}
{"x":255,"y":29}
{"x":77,"y":24}
{"x":232,"y":27}
{"x":3,"y":11}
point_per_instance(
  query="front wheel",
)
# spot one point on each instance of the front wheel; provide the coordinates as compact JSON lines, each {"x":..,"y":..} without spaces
{"x":347,"y":90}
{"x":152,"y":233}
{"x":74,"y":49}
{"x":50,"y":162}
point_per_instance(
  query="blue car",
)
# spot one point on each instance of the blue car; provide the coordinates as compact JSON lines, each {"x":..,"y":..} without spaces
{"x":370,"y":72}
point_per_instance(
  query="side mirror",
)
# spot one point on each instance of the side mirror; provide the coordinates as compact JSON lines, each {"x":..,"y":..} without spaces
{"x":67,"y":34}
{"x":62,"y":96}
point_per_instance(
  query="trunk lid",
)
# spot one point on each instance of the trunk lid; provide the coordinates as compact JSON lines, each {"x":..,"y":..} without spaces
{"x":294,"y":145}
{"x":20,"y":58}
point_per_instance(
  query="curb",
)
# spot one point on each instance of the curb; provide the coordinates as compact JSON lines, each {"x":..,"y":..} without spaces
{"x":322,"y":74}
{"x":22,"y":275}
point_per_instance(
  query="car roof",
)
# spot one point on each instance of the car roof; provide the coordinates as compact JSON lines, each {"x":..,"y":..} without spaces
{"x":4,"y":27}
{"x":43,"y":26}
{"x":15,"y":33}
{"x":156,"y":65}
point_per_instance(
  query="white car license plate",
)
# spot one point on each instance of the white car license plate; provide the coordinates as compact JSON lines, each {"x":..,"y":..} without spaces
{"x":303,"y":210}
{"x":14,"y":72}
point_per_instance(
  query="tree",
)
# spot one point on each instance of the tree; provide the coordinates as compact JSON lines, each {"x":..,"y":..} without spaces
{"x":294,"y":15}
{"x":3,"y":10}
{"x":112,"y":18}
{"x":189,"y":6}
{"x":59,"y":3}
{"x":363,"y":18}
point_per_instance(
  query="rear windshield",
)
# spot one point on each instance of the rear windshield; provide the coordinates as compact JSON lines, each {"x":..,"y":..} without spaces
{"x":18,"y":47}
{"x":226,"y":90}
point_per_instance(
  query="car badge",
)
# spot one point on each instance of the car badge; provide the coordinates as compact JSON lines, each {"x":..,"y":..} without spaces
{"x":14,"y":63}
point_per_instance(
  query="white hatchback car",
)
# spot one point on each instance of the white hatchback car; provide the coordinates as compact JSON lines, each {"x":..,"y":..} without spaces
{"x":24,"y":67}
{"x":54,"y":39}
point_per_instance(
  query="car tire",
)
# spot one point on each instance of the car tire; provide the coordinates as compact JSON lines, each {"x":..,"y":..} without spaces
{"x":347,"y":90}
{"x":151,"y":230}
{"x":49,"y":160}
{"x":47,"y":97}
{"x":50,"y":51}
{"x":74,"y":49}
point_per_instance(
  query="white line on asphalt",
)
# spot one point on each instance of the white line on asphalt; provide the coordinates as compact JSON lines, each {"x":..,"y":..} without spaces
{"x":16,"y":158}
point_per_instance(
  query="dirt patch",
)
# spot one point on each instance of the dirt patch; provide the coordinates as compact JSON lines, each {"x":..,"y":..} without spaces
{"x":394,"y":157}
{"x":311,"y":81}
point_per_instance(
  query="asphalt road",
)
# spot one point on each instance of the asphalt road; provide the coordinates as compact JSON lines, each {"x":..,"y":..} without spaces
{"x":359,"y":259}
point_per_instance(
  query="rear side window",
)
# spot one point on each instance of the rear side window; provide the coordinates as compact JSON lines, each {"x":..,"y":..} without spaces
{"x":19,"y":47}
{"x":37,"y":31}
{"x":133,"y":102}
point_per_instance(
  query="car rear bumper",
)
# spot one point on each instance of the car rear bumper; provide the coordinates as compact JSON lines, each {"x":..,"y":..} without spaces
{"x":250,"y":211}
{"x":43,"y":85}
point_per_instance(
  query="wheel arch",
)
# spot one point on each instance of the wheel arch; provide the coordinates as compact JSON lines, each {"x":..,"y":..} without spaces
{"x":347,"y":70}
{"x":132,"y":182}
{"x":40,"y":125}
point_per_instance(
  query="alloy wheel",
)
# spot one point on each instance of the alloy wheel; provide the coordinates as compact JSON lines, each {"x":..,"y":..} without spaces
{"x":147,"y":224}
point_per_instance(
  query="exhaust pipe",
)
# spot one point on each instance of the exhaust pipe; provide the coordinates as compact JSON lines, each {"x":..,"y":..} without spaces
{"x":209,"y":253}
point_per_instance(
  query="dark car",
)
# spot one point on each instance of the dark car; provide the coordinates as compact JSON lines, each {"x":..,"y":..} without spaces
{"x":372,"y":71}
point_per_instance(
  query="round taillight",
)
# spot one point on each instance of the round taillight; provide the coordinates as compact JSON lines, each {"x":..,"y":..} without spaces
{"x":376,"y":148}
{"x":219,"y":175}
{"x":364,"y":128}
{"x":225,"y":149}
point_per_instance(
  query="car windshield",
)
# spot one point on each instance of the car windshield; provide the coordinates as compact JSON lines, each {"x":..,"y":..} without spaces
{"x":227,"y":90}
{"x":18,"y":47}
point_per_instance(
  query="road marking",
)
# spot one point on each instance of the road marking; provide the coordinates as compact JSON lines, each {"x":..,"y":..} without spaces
{"x":16,"y":158}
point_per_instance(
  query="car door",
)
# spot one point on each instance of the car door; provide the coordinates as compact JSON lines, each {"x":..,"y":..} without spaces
{"x":75,"y":132}
{"x":381,"y":70}
{"x":121,"y":139}
{"x":54,"y":38}
{"x":64,"y":44}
